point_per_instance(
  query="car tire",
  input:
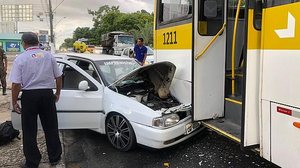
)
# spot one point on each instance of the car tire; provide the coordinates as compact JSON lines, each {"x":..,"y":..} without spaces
{"x":120,"y":132}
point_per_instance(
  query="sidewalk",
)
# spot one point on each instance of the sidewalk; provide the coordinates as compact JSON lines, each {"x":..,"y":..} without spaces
{"x":11,"y":155}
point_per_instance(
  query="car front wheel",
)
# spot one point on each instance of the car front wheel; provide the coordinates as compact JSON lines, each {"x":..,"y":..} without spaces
{"x":120,"y":132}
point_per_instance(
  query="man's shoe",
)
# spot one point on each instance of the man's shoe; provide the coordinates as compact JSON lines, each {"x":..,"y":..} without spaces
{"x":55,"y":162}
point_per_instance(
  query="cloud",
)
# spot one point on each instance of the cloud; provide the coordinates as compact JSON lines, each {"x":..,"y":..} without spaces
{"x":75,"y":13}
{"x":135,"y":5}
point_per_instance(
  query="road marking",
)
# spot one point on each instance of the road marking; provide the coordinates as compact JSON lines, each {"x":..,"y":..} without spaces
{"x":289,"y":32}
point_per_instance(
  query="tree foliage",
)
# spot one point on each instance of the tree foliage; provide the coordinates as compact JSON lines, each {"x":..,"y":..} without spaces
{"x":107,"y":19}
{"x":68,"y":43}
{"x":82,"y":32}
{"x":110,"y":18}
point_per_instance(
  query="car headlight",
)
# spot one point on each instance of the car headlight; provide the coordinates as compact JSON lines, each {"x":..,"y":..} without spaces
{"x":166,"y":121}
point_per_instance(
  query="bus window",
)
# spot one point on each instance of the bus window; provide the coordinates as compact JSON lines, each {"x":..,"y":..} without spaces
{"x":257,"y":17}
{"x":271,"y":3}
{"x":174,"y":9}
{"x":211,"y":17}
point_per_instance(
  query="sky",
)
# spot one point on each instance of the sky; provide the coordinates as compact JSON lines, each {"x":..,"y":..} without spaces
{"x":72,"y":14}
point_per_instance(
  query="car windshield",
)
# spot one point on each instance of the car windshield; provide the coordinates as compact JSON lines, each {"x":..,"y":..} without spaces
{"x":113,"y":70}
{"x":125,"y":39}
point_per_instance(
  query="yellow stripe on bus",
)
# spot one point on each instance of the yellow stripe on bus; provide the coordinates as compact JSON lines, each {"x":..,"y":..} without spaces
{"x":254,"y":36}
{"x":277,"y":19}
{"x":175,"y":37}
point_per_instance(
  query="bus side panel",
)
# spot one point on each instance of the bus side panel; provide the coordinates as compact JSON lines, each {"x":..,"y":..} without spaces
{"x":285,"y":150}
{"x":174,"y":44}
{"x":181,"y":87}
{"x":251,"y":120}
{"x":280,"y":81}
{"x":265,"y":139}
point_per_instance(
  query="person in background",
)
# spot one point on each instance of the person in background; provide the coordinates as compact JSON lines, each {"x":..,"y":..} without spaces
{"x":3,"y":69}
{"x":140,"y":51}
{"x":36,"y":73}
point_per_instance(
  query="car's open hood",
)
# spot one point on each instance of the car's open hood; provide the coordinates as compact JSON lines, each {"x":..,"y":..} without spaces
{"x":160,"y":74}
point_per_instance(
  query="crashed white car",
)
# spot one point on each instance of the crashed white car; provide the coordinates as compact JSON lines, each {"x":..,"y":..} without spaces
{"x":115,"y":96}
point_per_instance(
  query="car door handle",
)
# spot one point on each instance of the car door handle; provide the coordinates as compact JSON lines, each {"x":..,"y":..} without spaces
{"x":296,"y":124}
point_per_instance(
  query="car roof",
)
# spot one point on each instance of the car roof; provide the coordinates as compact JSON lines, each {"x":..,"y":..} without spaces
{"x":95,"y":57}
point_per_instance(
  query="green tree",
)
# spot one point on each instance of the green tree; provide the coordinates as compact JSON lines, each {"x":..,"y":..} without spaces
{"x":107,"y":19}
{"x":68,"y":43}
{"x":146,"y":32}
{"x":110,"y":18}
{"x":82,"y":32}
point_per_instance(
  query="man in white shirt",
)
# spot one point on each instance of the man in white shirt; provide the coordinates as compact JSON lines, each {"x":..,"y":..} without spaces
{"x":36,"y":73}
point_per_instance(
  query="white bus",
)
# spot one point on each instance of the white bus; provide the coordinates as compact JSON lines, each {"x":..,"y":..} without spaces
{"x":237,"y":64}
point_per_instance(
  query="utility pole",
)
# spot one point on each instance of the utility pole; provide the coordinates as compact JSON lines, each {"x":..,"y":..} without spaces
{"x":52,"y":45}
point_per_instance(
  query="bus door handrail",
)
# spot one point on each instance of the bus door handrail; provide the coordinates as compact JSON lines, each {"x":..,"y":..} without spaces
{"x":211,"y":42}
{"x":233,"y":48}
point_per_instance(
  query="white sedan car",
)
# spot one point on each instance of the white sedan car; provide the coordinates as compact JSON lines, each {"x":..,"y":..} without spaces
{"x":115,"y":96}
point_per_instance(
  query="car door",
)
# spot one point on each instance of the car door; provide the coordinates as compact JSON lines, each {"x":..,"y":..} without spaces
{"x":76,"y":108}
{"x":79,"y":108}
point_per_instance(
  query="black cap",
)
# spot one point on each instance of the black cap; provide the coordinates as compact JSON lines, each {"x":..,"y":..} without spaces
{"x":30,"y":38}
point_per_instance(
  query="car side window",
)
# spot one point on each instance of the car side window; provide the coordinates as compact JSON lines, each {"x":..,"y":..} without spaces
{"x":71,"y":79}
{"x":88,"y":68}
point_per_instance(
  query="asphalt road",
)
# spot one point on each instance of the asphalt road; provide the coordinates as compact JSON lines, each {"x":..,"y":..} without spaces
{"x":88,"y":149}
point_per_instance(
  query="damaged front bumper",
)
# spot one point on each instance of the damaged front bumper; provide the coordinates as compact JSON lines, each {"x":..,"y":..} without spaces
{"x":162,"y":138}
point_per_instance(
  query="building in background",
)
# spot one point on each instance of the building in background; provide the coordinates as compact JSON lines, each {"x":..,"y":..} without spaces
{"x":14,"y":13}
{"x":7,"y":27}
{"x":11,"y":43}
{"x":10,"y":15}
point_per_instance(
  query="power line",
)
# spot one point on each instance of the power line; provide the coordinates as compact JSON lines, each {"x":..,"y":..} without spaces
{"x":43,"y":6}
{"x":58,"y":5}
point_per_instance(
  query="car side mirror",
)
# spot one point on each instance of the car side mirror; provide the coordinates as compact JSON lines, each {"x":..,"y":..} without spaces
{"x":210,"y":9}
{"x":83,"y":85}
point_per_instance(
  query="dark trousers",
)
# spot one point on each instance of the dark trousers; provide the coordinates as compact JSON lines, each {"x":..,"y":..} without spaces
{"x":3,"y":77}
{"x":39,"y":103}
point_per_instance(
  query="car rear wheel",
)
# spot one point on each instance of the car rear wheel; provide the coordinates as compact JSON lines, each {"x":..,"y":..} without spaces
{"x":120,"y":132}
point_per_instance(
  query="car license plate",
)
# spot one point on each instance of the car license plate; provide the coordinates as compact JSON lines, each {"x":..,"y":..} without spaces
{"x":190,"y":127}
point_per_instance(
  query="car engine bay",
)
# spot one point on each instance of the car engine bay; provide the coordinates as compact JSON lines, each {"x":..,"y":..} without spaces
{"x":151,"y":87}
{"x":144,"y":93}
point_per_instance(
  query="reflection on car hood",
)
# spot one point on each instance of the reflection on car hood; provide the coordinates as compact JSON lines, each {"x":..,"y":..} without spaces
{"x":160,"y":74}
